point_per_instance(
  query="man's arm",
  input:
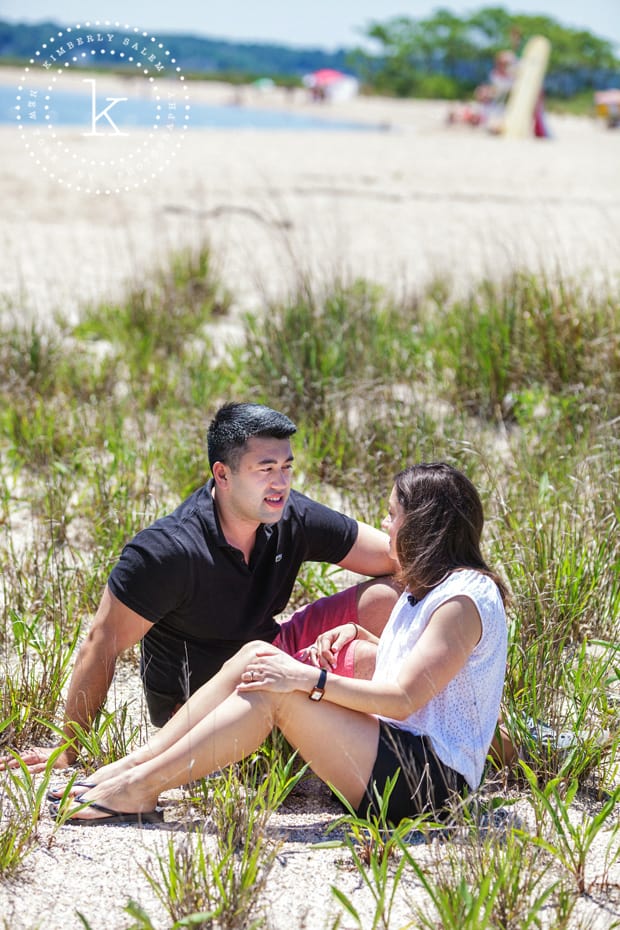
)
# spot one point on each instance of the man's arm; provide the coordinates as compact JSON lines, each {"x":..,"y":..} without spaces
{"x":114,"y":629}
{"x":369,"y":554}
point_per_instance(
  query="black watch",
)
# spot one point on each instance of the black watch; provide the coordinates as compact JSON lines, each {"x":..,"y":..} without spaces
{"x":319,"y":689}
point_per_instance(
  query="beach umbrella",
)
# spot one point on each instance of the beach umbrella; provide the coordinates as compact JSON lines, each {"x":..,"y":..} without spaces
{"x":324,"y":77}
{"x":330,"y":84}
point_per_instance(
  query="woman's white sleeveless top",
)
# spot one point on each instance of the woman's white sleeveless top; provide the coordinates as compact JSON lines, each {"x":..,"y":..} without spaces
{"x":461,"y":719}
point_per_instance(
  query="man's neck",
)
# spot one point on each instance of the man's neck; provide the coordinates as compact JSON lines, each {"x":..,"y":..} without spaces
{"x":238,"y":533}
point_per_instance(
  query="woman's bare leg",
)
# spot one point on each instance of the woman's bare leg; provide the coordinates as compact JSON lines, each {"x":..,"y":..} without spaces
{"x":339,"y":744}
{"x":209,"y":696}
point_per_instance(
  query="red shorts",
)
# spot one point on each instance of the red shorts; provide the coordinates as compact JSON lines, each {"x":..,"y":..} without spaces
{"x":302,"y":629}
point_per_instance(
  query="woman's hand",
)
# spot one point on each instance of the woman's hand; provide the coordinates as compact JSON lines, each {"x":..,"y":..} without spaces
{"x":323,"y":653}
{"x":274,"y":670}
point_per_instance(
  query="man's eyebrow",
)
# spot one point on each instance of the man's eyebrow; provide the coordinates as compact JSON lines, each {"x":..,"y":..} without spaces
{"x":272,"y":461}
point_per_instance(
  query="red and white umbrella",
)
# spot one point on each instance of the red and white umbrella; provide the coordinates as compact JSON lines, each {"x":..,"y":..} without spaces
{"x":324,"y":77}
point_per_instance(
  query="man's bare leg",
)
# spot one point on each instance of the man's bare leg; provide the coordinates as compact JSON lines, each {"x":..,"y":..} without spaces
{"x":375,"y":600}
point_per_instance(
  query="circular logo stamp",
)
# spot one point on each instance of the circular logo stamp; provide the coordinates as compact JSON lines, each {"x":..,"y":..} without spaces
{"x":102,"y":107}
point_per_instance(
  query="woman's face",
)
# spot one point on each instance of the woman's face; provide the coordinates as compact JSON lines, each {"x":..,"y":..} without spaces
{"x":393,"y":522}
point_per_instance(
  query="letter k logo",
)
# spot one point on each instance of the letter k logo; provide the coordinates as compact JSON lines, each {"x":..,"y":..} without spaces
{"x":95,"y":117}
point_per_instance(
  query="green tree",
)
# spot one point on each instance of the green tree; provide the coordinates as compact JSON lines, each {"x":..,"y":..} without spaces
{"x":414,"y":53}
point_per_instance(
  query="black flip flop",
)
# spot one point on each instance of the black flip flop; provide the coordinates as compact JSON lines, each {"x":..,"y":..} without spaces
{"x":53,"y":795}
{"x":114,"y":817}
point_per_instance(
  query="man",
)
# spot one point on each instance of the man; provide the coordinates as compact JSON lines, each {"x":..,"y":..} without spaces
{"x":197,"y":584}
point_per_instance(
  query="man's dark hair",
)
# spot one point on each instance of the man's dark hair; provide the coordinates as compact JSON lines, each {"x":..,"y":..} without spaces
{"x":234,"y":424}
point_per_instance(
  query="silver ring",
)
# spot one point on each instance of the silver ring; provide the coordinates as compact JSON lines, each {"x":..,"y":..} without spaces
{"x":252,"y":676}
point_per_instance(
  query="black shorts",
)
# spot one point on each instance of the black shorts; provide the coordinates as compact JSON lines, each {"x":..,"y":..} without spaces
{"x":424,"y":784}
{"x":169,"y":678}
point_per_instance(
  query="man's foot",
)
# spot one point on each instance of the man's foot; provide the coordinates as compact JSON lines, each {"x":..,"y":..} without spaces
{"x":546,"y":738}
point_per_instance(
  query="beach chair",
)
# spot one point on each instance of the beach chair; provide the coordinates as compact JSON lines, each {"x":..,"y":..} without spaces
{"x":607,"y":104}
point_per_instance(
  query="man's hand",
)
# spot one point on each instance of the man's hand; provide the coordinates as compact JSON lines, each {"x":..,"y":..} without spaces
{"x":37,"y":759}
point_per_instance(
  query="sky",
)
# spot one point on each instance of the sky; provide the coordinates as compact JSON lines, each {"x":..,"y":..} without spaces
{"x":326,"y":24}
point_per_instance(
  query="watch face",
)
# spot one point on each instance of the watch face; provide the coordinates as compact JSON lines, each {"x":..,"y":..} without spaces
{"x":317,"y":692}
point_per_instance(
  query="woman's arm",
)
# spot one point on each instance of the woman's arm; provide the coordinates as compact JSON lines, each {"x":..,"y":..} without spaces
{"x":441,"y":652}
{"x":439,"y":655}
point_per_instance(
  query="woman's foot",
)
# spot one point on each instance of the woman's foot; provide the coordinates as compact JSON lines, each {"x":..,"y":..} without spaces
{"x":111,"y":770}
{"x":98,"y":814}
{"x":114,"y":801}
{"x":71,"y":790}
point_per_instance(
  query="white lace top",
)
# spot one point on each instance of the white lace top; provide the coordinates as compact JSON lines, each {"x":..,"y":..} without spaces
{"x":460,"y":720}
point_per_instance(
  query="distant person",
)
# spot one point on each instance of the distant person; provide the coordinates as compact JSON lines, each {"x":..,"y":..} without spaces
{"x":489,"y":98}
{"x":428,"y":715}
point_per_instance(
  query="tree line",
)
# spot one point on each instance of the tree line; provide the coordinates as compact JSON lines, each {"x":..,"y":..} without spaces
{"x":443,"y":55}
{"x":198,"y":55}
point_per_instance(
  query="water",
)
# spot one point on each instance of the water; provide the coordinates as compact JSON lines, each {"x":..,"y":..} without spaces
{"x":70,"y":108}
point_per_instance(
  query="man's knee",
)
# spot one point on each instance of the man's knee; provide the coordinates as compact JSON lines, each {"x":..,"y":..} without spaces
{"x":375,"y":600}
{"x":369,"y":604}
{"x":364,"y":659}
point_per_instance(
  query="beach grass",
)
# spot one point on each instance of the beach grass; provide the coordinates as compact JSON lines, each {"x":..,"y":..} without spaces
{"x":103,"y":428}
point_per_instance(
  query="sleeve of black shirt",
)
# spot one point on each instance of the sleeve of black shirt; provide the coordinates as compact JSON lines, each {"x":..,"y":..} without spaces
{"x":329,"y":534}
{"x":151,"y":575}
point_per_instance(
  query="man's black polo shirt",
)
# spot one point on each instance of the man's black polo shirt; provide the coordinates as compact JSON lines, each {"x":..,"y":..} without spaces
{"x":183,"y":576}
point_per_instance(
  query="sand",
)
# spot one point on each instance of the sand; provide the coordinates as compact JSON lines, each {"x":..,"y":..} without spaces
{"x":402,"y":204}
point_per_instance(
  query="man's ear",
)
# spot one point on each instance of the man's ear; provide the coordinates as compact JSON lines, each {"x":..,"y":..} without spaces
{"x":220,"y":473}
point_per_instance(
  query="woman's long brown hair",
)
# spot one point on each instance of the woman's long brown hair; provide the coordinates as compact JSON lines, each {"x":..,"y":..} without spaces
{"x":442,"y":526}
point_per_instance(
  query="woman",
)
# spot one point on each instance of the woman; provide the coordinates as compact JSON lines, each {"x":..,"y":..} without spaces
{"x":430,"y":709}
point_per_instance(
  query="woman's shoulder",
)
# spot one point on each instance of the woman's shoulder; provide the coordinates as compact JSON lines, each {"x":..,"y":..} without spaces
{"x":485,"y":595}
{"x":468,"y":582}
